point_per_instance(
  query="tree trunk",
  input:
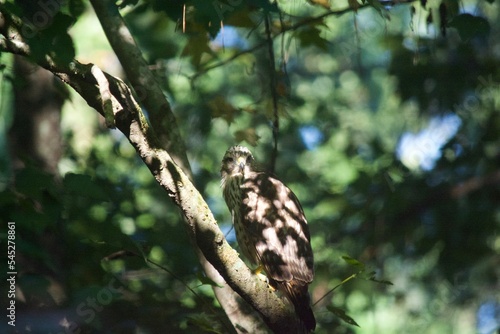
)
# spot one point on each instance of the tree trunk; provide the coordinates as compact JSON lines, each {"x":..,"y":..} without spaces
{"x":35,"y":132}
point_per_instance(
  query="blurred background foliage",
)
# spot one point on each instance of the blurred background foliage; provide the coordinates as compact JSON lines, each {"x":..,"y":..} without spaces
{"x":389,"y":135}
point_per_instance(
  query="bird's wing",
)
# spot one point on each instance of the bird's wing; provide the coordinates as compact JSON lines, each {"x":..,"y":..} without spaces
{"x":277,"y":224}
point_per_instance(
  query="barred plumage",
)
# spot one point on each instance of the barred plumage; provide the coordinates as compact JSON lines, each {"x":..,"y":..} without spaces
{"x":271,"y":228}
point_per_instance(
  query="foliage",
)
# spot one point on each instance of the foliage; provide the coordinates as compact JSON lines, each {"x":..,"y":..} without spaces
{"x":349,"y":81}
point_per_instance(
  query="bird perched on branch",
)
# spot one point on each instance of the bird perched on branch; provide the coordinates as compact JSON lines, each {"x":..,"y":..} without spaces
{"x":271,"y":228}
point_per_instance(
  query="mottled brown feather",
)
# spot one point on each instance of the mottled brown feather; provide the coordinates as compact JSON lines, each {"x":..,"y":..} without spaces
{"x":271,"y":228}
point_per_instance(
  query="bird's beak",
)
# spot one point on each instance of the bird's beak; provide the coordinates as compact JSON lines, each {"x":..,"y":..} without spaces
{"x":241,"y":162}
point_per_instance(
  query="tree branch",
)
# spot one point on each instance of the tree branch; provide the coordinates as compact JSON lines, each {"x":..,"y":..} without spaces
{"x":301,"y":23}
{"x":274,"y":96}
{"x":201,"y":224}
{"x":164,"y":123}
{"x":144,"y":83}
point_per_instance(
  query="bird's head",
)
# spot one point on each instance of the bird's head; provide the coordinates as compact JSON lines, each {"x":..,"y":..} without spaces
{"x":237,"y":162}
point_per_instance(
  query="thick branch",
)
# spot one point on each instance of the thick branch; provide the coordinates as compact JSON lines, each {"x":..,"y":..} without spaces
{"x":142,"y":80}
{"x":202,"y":226}
{"x":205,"y":230}
{"x":163,"y":121}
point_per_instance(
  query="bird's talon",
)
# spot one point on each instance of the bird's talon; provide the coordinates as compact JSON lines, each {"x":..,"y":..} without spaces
{"x":258,"y":272}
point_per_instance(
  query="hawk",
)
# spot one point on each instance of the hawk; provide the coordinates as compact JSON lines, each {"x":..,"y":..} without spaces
{"x":271,"y":228}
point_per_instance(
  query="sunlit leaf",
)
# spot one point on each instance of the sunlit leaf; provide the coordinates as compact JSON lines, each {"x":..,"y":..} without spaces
{"x":352,"y":261}
{"x":396,"y":175}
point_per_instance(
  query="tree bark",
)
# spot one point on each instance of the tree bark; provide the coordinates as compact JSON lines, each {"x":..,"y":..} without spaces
{"x":165,"y":127}
{"x":36,"y":130}
{"x":218,"y":257}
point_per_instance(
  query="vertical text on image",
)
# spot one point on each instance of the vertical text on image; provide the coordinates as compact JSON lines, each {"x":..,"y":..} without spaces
{"x":11,"y":272}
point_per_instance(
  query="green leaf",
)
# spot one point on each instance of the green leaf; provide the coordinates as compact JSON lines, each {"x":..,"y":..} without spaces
{"x":353,"y":262}
{"x":63,"y":50}
{"x":76,"y":7}
{"x":60,"y":24}
{"x":53,"y":40}
{"x":341,"y":314}
{"x":34,"y":182}
{"x":204,"y":322}
{"x":379,"y":8}
{"x":83,"y":185}
{"x":396,"y":175}
{"x":311,"y":36}
{"x":470,"y":26}
{"x":240,"y":18}
{"x":371,"y":277}
{"x":196,"y":46}
{"x":381,"y":281}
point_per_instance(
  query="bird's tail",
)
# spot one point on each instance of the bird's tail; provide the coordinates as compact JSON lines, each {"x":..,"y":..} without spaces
{"x":299,"y":296}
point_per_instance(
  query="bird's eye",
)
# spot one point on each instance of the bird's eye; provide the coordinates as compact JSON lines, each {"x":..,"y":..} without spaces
{"x":249,"y":159}
{"x":229,"y":159}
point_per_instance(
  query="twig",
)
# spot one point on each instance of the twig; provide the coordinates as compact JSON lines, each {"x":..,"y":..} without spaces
{"x":129,"y":253}
{"x":299,"y":24}
{"x":274,"y":96}
{"x":337,"y":286}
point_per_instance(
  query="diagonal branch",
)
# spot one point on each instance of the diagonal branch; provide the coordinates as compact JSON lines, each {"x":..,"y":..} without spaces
{"x":142,"y":80}
{"x":164,"y":123}
{"x":202,"y":227}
